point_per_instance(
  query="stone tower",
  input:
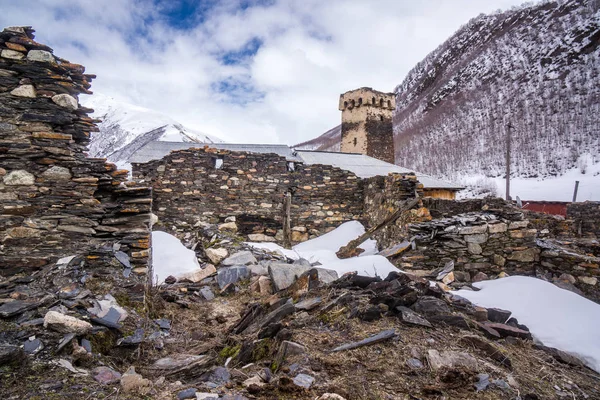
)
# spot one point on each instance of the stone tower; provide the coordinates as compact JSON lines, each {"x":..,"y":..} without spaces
{"x":367,"y":123}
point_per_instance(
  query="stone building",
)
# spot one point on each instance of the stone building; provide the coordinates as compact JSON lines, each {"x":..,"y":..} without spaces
{"x":367,"y":123}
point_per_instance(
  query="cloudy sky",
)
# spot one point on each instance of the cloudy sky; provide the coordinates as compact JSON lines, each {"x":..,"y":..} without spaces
{"x":246,"y":70}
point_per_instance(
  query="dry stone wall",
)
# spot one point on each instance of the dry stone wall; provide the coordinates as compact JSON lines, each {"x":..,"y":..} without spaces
{"x":586,"y":218}
{"x":499,"y":241}
{"x":190,"y":189}
{"x":55,"y":201}
{"x":383,"y":195}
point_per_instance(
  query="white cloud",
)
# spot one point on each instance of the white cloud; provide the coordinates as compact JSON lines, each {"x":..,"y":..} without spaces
{"x":311,"y":51}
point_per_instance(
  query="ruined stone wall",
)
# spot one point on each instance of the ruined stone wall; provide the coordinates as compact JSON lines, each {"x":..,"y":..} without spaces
{"x":586,"y":218}
{"x":367,"y":123}
{"x":189,"y":189}
{"x":55,"y":202}
{"x":383,"y":196}
{"x":496,"y":241}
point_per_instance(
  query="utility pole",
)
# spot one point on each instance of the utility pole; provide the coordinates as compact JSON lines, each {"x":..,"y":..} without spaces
{"x":508,"y":138}
{"x":575,"y":191}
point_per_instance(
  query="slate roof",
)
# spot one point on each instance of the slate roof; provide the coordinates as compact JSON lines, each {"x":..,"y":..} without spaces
{"x":157,"y":150}
{"x":366,"y":167}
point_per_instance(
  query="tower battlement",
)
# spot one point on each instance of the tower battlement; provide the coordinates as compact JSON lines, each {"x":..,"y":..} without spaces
{"x":367,"y":123}
{"x":366,"y":96}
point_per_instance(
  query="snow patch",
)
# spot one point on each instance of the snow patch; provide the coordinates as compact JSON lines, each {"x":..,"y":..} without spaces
{"x":323,"y":249}
{"x":555,"y":317}
{"x":171,"y":257}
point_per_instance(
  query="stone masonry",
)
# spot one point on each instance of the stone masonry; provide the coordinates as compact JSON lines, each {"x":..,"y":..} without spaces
{"x":496,"y":241}
{"x":586,"y":216}
{"x":55,"y":202}
{"x":208,"y":185}
{"x":367,"y":123}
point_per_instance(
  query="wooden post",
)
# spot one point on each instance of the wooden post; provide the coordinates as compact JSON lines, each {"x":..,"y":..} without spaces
{"x":508,"y":138}
{"x":287,"y":230}
{"x":575,"y":191}
{"x":352,"y":250}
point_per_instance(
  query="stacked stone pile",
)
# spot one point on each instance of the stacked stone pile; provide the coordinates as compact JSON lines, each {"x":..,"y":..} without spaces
{"x":55,"y":201}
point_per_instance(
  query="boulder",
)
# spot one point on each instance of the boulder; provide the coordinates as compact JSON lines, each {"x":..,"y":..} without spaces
{"x":40,"y":56}
{"x":228,"y":275}
{"x":199,"y":275}
{"x":106,"y":376}
{"x":284,"y":275}
{"x":66,"y":101}
{"x":451,"y":360}
{"x":304,"y":381}
{"x":239,"y":258}
{"x":428,"y":305}
{"x":66,"y":324}
{"x":216,"y":255}
{"x":57,"y":173}
{"x":498,"y":315}
{"x":228,"y":226}
{"x":19,"y":177}
{"x":132,"y":382}
{"x":260,"y":237}
{"x":24,"y":91}
{"x":12,"y":54}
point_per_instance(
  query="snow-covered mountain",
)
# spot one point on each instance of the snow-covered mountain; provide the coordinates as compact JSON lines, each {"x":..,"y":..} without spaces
{"x":533,"y":70}
{"x":126,"y":127}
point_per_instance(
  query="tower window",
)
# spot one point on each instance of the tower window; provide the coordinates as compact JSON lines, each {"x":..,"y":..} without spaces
{"x":373,"y":102}
{"x":352,"y":104}
{"x":345,"y":104}
{"x":381,"y":117}
{"x":355,"y":142}
{"x":380,"y":102}
{"x":360,"y":101}
{"x":389,"y":104}
{"x":218,"y":162}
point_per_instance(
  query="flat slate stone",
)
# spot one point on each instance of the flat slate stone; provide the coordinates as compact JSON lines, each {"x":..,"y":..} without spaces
{"x":228,"y":275}
{"x":207,"y":293}
{"x":507,"y":330}
{"x":33,"y":346}
{"x":450,"y":319}
{"x":498,"y":315}
{"x":308,"y":304}
{"x":428,"y":305}
{"x":410,"y":317}
{"x":17,"y":307}
{"x":380,"y":337}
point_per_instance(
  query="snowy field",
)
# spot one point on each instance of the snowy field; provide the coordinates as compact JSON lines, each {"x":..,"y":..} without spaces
{"x":555,"y":317}
{"x":549,"y":189}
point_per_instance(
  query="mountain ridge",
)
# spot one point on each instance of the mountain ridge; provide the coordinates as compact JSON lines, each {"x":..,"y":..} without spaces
{"x":533,"y":67}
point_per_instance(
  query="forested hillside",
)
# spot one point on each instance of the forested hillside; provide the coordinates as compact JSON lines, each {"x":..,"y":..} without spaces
{"x":535,"y":68}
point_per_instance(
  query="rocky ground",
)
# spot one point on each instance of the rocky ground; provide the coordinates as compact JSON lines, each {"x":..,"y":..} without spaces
{"x":254,"y":325}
